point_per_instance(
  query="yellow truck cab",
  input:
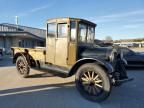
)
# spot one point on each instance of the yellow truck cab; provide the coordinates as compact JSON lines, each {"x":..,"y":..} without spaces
{"x":70,"y":51}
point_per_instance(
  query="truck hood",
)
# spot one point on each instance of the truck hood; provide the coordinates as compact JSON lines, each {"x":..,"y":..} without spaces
{"x":94,"y":52}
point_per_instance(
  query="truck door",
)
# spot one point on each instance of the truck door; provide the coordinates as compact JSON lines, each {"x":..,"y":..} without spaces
{"x":61,"y":47}
{"x":50,"y":42}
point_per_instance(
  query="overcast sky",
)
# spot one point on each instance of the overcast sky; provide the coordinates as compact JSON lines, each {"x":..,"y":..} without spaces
{"x":120,"y":19}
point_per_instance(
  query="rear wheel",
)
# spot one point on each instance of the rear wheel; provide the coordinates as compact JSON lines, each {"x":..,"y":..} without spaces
{"x":22,"y":67}
{"x":92,"y":82}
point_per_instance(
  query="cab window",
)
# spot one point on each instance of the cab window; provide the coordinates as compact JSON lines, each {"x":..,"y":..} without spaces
{"x":86,"y":33}
{"x":90,"y":34}
{"x":62,"y":30}
{"x":51,"y":29}
{"x":82,"y":32}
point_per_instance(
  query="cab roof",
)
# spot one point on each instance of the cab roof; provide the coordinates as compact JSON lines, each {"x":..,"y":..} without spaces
{"x":66,"y":19}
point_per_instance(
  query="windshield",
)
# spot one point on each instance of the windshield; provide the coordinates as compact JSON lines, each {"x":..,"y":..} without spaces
{"x":86,"y":33}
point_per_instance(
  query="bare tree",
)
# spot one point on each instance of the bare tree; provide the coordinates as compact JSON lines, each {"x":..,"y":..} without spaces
{"x":108,"y":39}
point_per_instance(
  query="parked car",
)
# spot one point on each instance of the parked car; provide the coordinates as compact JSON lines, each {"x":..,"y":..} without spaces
{"x":134,"y":59}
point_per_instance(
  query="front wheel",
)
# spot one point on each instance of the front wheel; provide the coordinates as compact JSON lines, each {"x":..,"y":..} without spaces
{"x":22,"y":67}
{"x":93,"y":82}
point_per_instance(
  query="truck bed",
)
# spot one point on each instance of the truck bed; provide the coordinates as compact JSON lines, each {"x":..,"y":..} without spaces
{"x":37,"y":53}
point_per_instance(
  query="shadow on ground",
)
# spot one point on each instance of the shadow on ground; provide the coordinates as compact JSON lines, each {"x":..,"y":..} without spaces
{"x":135,"y":68}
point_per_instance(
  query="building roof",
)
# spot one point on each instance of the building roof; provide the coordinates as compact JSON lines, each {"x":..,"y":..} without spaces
{"x":7,"y":29}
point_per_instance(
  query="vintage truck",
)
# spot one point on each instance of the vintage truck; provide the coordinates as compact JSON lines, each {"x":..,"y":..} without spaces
{"x":70,"y":51}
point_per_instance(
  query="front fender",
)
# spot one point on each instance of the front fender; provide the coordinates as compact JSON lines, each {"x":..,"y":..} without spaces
{"x":105,"y":65}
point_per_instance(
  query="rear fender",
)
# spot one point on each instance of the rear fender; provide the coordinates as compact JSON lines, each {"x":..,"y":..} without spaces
{"x":105,"y":65}
{"x":24,"y":55}
{"x":17,"y":55}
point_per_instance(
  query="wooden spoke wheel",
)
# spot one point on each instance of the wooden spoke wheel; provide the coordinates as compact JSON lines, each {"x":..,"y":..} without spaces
{"x":22,"y":67}
{"x":93,"y":82}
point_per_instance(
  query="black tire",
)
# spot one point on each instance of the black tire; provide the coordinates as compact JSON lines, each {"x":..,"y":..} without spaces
{"x":22,"y":67}
{"x":97,"y":86}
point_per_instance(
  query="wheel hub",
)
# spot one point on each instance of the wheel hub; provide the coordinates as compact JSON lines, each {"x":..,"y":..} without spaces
{"x":91,"y":83}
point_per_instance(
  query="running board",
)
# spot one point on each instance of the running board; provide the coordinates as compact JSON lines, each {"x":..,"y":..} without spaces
{"x":56,"y":70}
